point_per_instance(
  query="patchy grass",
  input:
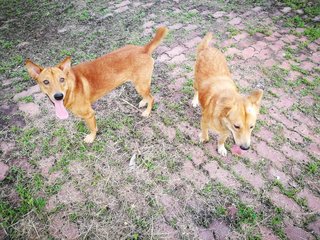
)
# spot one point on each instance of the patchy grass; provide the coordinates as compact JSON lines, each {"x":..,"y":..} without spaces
{"x":111,"y":196}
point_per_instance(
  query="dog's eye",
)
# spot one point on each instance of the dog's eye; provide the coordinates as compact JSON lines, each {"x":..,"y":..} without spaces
{"x":251,"y":127}
{"x":61,"y":80}
{"x":237,"y":126}
{"x":46,"y":82}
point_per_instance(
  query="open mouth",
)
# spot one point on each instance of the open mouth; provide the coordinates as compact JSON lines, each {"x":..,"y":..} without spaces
{"x":61,"y":111}
{"x":236,"y":150}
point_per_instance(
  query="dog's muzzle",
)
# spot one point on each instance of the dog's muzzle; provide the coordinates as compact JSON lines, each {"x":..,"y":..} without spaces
{"x":58,"y":96}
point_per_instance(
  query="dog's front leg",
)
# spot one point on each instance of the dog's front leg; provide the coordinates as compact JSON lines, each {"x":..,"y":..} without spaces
{"x":204,"y":135}
{"x":222,"y":138}
{"x":92,"y":125}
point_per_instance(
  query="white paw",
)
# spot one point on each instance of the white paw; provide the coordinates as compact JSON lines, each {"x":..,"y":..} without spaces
{"x":145,"y":113}
{"x":89,"y":138}
{"x":222,"y":150}
{"x":195,"y":102}
{"x":142,"y":103}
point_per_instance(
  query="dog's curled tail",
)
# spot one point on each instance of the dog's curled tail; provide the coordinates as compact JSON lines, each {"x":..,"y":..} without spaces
{"x":160,"y":34}
{"x":205,"y":42}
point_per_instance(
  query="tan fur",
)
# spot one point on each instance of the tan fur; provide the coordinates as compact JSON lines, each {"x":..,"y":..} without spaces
{"x":223,"y":108}
{"x":87,"y":82}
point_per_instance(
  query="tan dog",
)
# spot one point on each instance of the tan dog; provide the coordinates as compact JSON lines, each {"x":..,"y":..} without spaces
{"x":224,"y":110}
{"x":77,"y":87}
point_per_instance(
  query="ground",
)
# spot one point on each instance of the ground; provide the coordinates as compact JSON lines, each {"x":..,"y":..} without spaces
{"x":151,"y":178}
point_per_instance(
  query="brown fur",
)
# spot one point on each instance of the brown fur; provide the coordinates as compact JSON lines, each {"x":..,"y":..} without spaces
{"x":223,"y":108}
{"x":87,"y":82}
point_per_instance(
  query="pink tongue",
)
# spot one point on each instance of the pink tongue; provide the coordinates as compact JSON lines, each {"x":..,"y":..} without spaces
{"x":236,"y":150}
{"x":61,"y":111}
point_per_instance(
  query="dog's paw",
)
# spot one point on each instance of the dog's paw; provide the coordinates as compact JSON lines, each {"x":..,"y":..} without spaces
{"x":203,"y":139}
{"x":142,"y":103}
{"x":145,"y":114}
{"x":89,"y":138}
{"x":222,"y":150}
{"x":195,"y":102}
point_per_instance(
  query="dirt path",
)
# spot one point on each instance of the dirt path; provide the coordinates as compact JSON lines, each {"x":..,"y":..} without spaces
{"x":53,"y":186}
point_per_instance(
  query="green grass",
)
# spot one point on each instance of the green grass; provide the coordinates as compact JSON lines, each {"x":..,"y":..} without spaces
{"x":27,"y":190}
{"x":276,"y":75}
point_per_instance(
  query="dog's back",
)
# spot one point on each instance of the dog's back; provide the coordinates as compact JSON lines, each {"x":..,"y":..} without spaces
{"x":212,"y":75}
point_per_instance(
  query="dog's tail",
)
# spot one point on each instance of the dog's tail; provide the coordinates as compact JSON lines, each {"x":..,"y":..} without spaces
{"x":205,"y":42}
{"x":160,"y":34}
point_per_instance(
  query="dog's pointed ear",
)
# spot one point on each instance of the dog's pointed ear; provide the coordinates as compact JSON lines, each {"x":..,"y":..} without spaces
{"x":65,"y":65}
{"x":33,"y":69}
{"x":224,"y":105}
{"x":255,"y":97}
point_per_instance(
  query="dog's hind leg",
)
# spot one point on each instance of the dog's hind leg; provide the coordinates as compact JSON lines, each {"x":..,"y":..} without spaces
{"x":147,"y":98}
{"x":195,"y":100}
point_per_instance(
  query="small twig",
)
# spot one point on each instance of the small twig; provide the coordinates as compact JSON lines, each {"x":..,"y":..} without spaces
{"x":88,"y":231}
{"x":21,"y":218}
{"x":130,"y":105}
{"x":311,"y":213}
{"x":36,"y":230}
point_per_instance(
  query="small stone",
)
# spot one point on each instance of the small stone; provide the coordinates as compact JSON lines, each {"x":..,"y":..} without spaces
{"x":248,"y":53}
{"x":31,"y":109}
{"x":121,"y":9}
{"x":257,"y":9}
{"x":178,"y":59}
{"x":4,"y":168}
{"x":219,"y":14}
{"x":296,"y":233}
{"x":176,"y":26}
{"x":286,"y":10}
{"x":235,"y":21}
{"x":29,"y":92}
{"x":148,"y":24}
{"x":23,"y":45}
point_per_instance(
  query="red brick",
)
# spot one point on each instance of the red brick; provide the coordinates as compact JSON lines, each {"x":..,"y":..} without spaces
{"x":176,"y":51}
{"x":267,"y":234}
{"x":276,"y":46}
{"x":298,"y":156}
{"x":193,"y":42}
{"x":296,"y":233}
{"x":304,"y":130}
{"x":193,"y":175}
{"x":221,"y":175}
{"x":312,"y":200}
{"x":269,"y":153}
{"x":4,"y":168}
{"x":265,"y":134}
{"x":275,"y":174}
{"x":248,"y":53}
{"x":197,"y":155}
{"x":235,"y":21}
{"x":314,"y":149}
{"x":241,"y":36}
{"x":286,"y":203}
{"x":274,"y":113}
{"x":220,"y":229}
{"x":315,"y":227}
{"x":177,"y":59}
{"x":249,"y":175}
{"x":292,"y":136}
{"x":285,"y":102}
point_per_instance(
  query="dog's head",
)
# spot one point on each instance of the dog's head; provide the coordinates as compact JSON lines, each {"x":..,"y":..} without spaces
{"x":53,"y":81}
{"x":239,"y":115}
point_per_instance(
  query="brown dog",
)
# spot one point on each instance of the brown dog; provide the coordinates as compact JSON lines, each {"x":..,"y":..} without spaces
{"x":223,"y":109}
{"x":77,"y":87}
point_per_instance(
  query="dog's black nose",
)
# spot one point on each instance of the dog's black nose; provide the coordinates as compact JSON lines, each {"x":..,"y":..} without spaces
{"x":244,"y":147}
{"x":58,"y":96}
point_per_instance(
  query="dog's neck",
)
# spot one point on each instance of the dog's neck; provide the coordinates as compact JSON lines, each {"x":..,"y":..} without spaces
{"x":69,"y":98}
